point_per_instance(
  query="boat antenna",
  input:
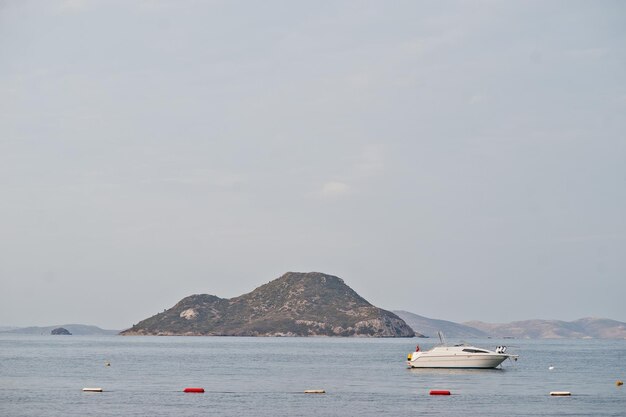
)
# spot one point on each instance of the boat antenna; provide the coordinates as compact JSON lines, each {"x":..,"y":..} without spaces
{"x":442,"y":339}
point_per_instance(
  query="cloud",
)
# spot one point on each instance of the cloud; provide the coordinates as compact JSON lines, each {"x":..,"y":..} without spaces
{"x":217,"y":179}
{"x":589,"y":53}
{"x":335,"y":188}
{"x":362,"y":166}
{"x":368,"y":162}
{"x":477,"y":99}
{"x":359,"y":80}
{"x":75,"y":5}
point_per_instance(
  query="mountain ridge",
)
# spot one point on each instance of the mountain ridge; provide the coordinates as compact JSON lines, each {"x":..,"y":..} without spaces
{"x":75,"y":329}
{"x":588,"y":327}
{"x":429,"y":327}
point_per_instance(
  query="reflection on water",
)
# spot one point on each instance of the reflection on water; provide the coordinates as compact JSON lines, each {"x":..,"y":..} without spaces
{"x":453,"y":371}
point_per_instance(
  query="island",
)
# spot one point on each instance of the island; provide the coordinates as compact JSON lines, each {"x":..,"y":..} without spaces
{"x":295,"y":304}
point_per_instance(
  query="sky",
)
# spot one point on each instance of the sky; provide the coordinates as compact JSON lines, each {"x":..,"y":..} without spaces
{"x":459,"y":160}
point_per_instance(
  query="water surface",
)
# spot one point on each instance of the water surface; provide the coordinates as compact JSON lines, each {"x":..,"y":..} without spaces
{"x":43,"y":376}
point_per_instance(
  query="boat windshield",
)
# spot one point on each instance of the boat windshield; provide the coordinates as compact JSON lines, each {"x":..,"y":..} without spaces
{"x":475,"y":351}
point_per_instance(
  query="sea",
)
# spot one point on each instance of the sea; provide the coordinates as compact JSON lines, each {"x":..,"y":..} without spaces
{"x":43,"y":376}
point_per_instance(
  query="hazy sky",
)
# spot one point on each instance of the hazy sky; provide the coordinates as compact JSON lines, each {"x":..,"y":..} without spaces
{"x":459,"y":160}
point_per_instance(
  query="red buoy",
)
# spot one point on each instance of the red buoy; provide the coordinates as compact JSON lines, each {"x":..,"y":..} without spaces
{"x":439,"y":392}
{"x":194,"y":390}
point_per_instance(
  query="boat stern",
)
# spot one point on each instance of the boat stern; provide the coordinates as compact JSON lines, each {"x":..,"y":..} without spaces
{"x":411,"y":357}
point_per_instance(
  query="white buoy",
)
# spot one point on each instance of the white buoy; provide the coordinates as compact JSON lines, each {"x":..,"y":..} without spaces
{"x":551,"y":367}
{"x":92,"y":389}
{"x":314,"y":391}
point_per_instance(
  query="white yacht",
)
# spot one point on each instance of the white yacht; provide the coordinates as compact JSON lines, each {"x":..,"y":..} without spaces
{"x":458,"y":356}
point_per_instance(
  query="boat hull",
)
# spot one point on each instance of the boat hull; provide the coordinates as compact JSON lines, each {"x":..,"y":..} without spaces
{"x":487,"y":361}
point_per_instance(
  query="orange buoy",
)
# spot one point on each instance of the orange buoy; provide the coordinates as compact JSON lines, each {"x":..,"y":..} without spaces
{"x":439,"y":392}
{"x":196,"y":390}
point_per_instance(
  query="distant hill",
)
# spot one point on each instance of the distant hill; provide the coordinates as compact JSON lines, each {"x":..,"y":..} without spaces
{"x":7,"y":328}
{"x":429,"y":327}
{"x":555,"y":329}
{"x":296,"y":304}
{"x":75,"y":329}
{"x":60,"y":331}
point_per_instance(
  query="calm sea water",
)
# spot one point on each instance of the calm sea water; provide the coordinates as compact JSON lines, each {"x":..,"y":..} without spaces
{"x":44,"y":375}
